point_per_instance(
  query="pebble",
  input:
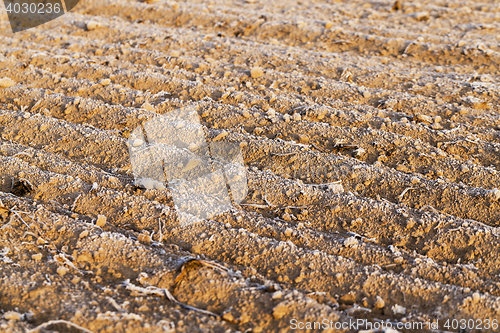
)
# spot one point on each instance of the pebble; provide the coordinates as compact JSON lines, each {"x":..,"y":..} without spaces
{"x":476,"y":297}
{"x":271,"y":112}
{"x":329,"y":25}
{"x":258,"y":130}
{"x":61,"y":270}
{"x":93,"y":25}
{"x":303,"y":138}
{"x":148,"y":107}
{"x":84,"y":234}
{"x":280,"y":310}
{"x":286,"y":118}
{"x":436,"y":126}
{"x":379,"y":303}
{"x":221,"y":135}
{"x":424,"y":118}
{"x":101,"y":221}
{"x":37,"y":257}
{"x":493,"y":195}
{"x":351,"y":241}
{"x":246,"y":114}
{"x":256,"y":72}
{"x":12,"y":315}
{"x":143,"y":238}
{"x":277,"y":294}
{"x":288,"y":232}
{"x":6,"y":82}
{"x":398,"y":309}
{"x":297,"y":117}
{"x":398,"y":260}
{"x":105,"y":82}
{"x":137,"y":143}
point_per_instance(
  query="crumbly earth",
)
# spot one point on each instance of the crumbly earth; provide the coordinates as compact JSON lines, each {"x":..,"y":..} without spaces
{"x":370,"y":132}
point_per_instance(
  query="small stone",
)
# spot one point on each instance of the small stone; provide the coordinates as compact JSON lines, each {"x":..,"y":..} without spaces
{"x":6,"y":82}
{"x":286,"y":118}
{"x":101,"y":221}
{"x":143,"y":308}
{"x":61,"y":270}
{"x":351,"y":241}
{"x":438,"y":119}
{"x":398,"y":260}
{"x":493,"y":195}
{"x":37,"y":257}
{"x":280,"y":310}
{"x":398,"y":309}
{"x":297,"y":117}
{"x":367,"y":94}
{"x":436,"y":126}
{"x":148,"y":107}
{"x":258,"y":130}
{"x":421,"y":16}
{"x":221,"y":135}
{"x":84,"y":233}
{"x":143,"y":238}
{"x":379,"y":303}
{"x":359,"y":152}
{"x":137,"y":143}
{"x":286,"y":217}
{"x":423,"y":118}
{"x":271,"y":112}
{"x":228,"y":316}
{"x":256,"y":72}
{"x":93,"y":25}
{"x":329,"y":25}
{"x":246,"y":114}
{"x":105,"y":82}
{"x":277,"y":294}
{"x":288,"y":232}
{"x":303,"y":138}
{"x":12,"y":315}
{"x":476,"y":297}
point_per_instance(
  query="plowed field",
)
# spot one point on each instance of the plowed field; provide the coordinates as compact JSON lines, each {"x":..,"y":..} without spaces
{"x":370,"y":132}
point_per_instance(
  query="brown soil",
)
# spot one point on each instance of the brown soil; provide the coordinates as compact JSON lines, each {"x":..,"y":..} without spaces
{"x":396,"y":103}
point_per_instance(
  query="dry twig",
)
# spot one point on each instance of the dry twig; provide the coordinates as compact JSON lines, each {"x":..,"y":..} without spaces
{"x":164,"y":293}
{"x":59,"y":321}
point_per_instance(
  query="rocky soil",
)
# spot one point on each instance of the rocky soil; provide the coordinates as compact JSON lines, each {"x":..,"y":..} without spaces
{"x":370,"y":132}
